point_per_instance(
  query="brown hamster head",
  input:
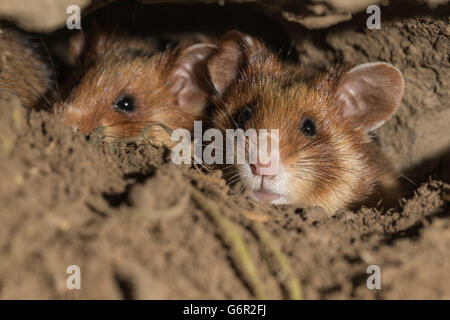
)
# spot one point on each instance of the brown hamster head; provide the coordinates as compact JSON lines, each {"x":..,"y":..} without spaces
{"x":323,"y":122}
{"x":127,"y":86}
{"x":24,"y":72}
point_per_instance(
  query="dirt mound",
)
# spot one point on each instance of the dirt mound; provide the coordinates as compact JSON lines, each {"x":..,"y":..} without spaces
{"x":140,"y":227}
{"x":130,"y":219}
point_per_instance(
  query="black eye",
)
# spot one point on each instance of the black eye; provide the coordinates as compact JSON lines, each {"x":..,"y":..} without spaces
{"x":244,"y":115}
{"x":308,"y":127}
{"x":125,"y":104}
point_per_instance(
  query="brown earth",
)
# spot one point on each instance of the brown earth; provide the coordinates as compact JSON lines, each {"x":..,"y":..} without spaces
{"x":140,"y":227}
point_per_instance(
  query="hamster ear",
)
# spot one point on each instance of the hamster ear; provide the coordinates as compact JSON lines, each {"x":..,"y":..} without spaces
{"x":370,"y":93}
{"x":91,"y":39}
{"x":77,"y":43}
{"x":226,"y":64}
{"x":188,"y":77}
{"x":237,"y":52}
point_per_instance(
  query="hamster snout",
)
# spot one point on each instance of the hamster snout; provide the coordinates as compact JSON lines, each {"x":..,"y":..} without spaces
{"x":323,"y":122}
{"x":265,"y":174}
{"x":267,"y":169}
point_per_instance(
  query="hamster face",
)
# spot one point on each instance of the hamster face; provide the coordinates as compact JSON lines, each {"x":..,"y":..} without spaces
{"x":122,"y":96}
{"x":321,"y":158}
{"x":324,"y":156}
{"x":126,"y":88}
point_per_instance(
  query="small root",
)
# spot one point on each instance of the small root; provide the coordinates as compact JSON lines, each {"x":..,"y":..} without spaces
{"x":255,"y":216}
{"x":232,"y":237}
{"x":282,"y":270}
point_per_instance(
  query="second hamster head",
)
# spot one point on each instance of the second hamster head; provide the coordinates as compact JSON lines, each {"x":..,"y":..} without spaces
{"x":323,"y":123}
{"x":127,"y":86}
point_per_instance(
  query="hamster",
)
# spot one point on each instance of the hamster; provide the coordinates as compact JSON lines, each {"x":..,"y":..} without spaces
{"x":325,"y":157}
{"x":128,"y":85}
{"x":24,"y":70}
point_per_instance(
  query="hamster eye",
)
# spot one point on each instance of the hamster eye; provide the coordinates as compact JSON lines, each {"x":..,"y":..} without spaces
{"x":125,"y":104}
{"x":243,"y":115}
{"x":308,"y":127}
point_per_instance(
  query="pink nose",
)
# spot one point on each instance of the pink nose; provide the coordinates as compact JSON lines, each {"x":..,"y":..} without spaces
{"x":268,"y":169}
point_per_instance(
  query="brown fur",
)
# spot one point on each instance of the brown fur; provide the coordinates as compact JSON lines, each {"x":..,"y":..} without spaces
{"x":334,"y":170}
{"x":119,"y":65}
{"x":24,"y":73}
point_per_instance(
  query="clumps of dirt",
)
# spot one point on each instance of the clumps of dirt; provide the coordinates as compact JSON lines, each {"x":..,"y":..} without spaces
{"x":347,"y":243}
{"x":132,"y":229}
{"x":140,"y":227}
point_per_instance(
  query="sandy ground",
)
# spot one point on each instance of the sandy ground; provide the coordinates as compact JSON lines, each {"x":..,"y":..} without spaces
{"x":140,"y":227}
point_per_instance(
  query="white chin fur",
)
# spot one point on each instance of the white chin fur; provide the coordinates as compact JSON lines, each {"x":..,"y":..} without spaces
{"x":281,"y":200}
{"x":277,"y":185}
